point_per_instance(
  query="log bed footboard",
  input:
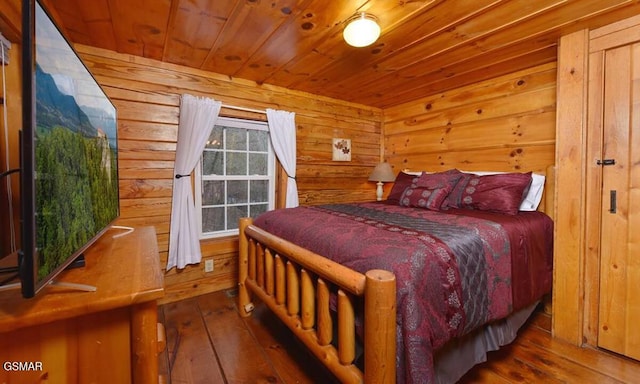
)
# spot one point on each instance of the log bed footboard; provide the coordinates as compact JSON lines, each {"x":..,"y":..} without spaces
{"x":297,"y":286}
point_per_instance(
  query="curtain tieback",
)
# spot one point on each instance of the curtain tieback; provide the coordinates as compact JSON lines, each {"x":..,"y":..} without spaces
{"x":181,"y":176}
{"x":292,"y":177}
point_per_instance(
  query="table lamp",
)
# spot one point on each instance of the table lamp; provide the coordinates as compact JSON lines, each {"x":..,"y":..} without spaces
{"x":382,"y":173}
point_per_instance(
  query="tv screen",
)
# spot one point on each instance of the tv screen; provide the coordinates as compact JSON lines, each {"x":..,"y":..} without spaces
{"x":69,"y":154}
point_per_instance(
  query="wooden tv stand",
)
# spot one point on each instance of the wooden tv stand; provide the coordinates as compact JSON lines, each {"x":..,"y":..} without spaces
{"x":107,"y":336}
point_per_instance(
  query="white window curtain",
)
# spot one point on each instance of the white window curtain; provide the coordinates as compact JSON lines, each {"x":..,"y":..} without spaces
{"x":282,"y":130}
{"x":198,"y":115}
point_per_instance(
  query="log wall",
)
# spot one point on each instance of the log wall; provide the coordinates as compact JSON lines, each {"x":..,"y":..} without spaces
{"x":14,"y":122}
{"x":147,"y":93}
{"x":504,"y":124}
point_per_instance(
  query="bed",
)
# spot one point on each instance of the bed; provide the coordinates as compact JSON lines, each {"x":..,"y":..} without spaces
{"x":413,"y":289}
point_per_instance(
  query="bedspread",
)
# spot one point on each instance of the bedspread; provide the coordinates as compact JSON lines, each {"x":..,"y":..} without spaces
{"x":453,"y":270}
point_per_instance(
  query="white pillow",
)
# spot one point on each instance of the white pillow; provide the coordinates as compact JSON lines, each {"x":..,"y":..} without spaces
{"x":534,"y":195}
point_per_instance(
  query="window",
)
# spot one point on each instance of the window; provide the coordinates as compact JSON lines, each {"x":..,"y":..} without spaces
{"x":235,"y":176}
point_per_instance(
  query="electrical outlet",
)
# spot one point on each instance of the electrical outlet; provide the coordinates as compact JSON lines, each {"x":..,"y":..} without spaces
{"x":208,"y":265}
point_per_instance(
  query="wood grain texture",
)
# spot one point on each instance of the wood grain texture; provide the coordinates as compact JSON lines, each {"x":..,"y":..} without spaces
{"x":506,"y":124}
{"x":425,"y":47}
{"x":619,"y":266}
{"x":494,"y":125}
{"x":593,"y":201}
{"x":147,"y":96}
{"x":188,"y":356}
{"x":534,"y":356}
{"x":570,"y":140}
{"x":13,"y":117}
{"x":106,"y":336}
{"x":305,"y":271}
{"x":134,"y":277}
{"x":90,"y":348}
{"x":147,"y":92}
{"x":208,"y":326}
{"x":144,"y":349}
{"x":587,"y":271}
{"x":230,"y":335}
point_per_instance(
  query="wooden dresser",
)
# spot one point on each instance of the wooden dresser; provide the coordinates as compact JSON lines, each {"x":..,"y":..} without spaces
{"x":107,"y":336}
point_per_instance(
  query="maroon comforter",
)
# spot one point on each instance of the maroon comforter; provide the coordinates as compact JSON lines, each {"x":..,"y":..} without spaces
{"x":456,"y":270}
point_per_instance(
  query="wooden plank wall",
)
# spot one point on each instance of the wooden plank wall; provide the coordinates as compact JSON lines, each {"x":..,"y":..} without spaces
{"x":506,"y":124}
{"x":147,"y":94}
{"x":503,"y":124}
{"x":14,"y":122}
{"x":577,"y":261}
{"x":569,"y":247}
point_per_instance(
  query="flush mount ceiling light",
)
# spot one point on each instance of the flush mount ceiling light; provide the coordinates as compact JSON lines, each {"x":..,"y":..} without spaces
{"x":361,"y":30}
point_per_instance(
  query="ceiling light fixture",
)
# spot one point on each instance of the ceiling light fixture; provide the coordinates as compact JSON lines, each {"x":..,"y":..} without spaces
{"x":361,"y":30}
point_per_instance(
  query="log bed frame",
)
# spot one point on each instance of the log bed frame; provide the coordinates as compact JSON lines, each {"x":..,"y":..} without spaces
{"x":297,"y":285}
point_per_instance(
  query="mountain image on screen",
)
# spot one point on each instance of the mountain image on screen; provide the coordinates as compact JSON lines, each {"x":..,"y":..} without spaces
{"x":76,"y":173}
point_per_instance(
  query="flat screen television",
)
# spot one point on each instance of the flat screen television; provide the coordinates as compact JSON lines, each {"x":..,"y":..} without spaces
{"x":68,"y":154}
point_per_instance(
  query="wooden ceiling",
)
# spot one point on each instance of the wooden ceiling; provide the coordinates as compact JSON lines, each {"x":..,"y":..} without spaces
{"x":425,"y":47}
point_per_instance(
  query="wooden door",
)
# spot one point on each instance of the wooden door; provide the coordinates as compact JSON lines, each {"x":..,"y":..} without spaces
{"x":619,"y":303}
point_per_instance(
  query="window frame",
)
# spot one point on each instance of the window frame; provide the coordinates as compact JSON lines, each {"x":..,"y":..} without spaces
{"x":199,"y":178}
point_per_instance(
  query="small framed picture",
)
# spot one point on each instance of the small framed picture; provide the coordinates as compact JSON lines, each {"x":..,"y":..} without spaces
{"x":341,"y":149}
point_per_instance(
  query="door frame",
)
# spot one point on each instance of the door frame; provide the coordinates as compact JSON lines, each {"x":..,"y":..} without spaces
{"x":578,"y":141}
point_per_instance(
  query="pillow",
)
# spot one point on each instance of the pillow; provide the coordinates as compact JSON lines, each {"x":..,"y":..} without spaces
{"x":403,"y":180}
{"x":439,"y":179}
{"x":501,"y":193}
{"x":529,"y":203}
{"x":430,"y":189}
{"x":534,"y":194}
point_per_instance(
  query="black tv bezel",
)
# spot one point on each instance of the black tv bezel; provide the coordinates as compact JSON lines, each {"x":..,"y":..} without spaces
{"x":28,"y":256}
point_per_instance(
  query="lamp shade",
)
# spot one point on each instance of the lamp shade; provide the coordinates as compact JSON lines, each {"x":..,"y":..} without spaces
{"x":361,"y":30}
{"x":382,"y":172}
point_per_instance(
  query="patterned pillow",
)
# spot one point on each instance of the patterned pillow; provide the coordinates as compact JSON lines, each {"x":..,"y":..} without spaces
{"x":430,"y":189}
{"x":439,"y":179}
{"x":403,"y":180}
{"x":501,"y":193}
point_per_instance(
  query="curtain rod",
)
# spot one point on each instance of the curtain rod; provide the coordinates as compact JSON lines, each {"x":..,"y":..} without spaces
{"x":244,"y":109}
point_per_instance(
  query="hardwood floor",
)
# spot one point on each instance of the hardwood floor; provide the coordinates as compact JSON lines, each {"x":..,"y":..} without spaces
{"x":208,"y":342}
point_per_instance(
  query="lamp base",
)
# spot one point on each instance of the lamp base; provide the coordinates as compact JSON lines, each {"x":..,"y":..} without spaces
{"x":379,"y":190}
